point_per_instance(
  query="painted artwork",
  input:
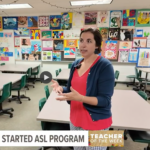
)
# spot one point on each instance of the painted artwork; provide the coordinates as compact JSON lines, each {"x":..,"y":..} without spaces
{"x":18,"y":54}
{"x":143,"y":32}
{"x":7,"y":34}
{"x":26,"y":50}
{"x":103,"y":19}
{"x":1,"y":34}
{"x":115,"y":18}
{"x":16,"y":41}
{"x":47,"y":45}
{"x":3,"y":58}
{"x":58,"y":45}
{"x":139,"y":42}
{"x":125,"y":44}
{"x":21,"y":32}
{"x":43,"y":21}
{"x":22,"y":22}
{"x":114,"y":34}
{"x":110,"y":50}
{"x":32,"y":57}
{"x":58,"y":34}
{"x":1,"y":24}
{"x":144,"y":58}
{"x":4,"y":49}
{"x":72,"y":34}
{"x":126,"y":35}
{"x":47,"y":56}
{"x":90,"y":18}
{"x":142,"y":18}
{"x":70,"y":43}
{"x":55,"y":22}
{"x":104,"y":33}
{"x":123,"y":55}
{"x":56,"y":56}
{"x":33,"y":22}
{"x":78,"y":20}
{"x":36,"y":45}
{"x":69,"y":52}
{"x":133,"y":55}
{"x":35,"y":34}
{"x":25,"y":41}
{"x":66,"y":20}
{"x":10,"y":23}
{"x":128,"y":17}
{"x":46,"y":34}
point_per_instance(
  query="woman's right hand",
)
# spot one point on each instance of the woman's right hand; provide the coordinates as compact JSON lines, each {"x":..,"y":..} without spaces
{"x":56,"y":87}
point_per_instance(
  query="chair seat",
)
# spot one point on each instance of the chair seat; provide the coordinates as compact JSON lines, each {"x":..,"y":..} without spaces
{"x":16,"y":87}
{"x":140,"y":136}
{"x":131,"y":76}
{"x":34,"y":73}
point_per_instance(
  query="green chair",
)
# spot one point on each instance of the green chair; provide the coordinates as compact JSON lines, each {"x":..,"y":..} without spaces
{"x":69,"y":65}
{"x":35,"y":73}
{"x":131,"y":77}
{"x":29,"y":71}
{"x":2,"y":64}
{"x":116,"y":76}
{"x":57,"y":73}
{"x":18,"y":87}
{"x":141,"y":136}
{"x":46,"y":88}
{"x":60,"y":70}
{"x":5,"y":95}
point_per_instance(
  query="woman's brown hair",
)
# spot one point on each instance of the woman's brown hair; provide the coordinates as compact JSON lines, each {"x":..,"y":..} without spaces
{"x":97,"y":37}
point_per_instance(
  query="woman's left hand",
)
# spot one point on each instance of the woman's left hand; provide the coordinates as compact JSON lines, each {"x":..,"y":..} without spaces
{"x":73,"y":95}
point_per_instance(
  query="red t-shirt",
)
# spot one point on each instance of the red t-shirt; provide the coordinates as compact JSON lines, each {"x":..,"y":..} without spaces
{"x":79,"y":116}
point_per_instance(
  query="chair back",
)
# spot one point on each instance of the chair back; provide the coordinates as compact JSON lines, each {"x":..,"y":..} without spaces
{"x":41,"y":104}
{"x":69,"y":65}
{"x":60,"y":70}
{"x":6,"y":91}
{"x":47,"y":93}
{"x":143,"y":94}
{"x":117,"y":74}
{"x":38,"y":69}
{"x":138,"y":73}
{"x":29,"y":71}
{"x":2,"y":64}
{"x":57,"y":73}
{"x":23,"y":81}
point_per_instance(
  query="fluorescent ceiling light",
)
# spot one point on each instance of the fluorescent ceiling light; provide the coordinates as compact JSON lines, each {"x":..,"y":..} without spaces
{"x":15,"y":6}
{"x":95,"y":2}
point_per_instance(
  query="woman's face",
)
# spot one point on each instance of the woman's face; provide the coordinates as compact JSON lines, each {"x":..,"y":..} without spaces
{"x":87,"y":44}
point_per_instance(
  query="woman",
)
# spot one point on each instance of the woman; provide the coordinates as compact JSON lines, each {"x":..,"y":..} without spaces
{"x":90,"y":87}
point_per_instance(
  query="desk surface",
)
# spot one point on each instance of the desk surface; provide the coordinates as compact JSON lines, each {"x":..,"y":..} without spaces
{"x":64,"y":74}
{"x":129,"y":111}
{"x":145,"y":69}
{"x":7,"y":77}
{"x":17,"y":68}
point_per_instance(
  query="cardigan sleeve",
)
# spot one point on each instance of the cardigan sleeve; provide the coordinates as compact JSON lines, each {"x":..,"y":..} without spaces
{"x":105,"y":86}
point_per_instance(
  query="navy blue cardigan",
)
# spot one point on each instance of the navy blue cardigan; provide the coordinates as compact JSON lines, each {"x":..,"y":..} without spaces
{"x":100,"y":84}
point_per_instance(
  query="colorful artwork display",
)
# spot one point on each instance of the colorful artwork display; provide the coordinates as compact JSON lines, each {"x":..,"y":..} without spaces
{"x":43,"y":21}
{"x":55,"y":22}
{"x":69,"y":52}
{"x":104,"y":33}
{"x":71,"y":43}
{"x":123,"y":55}
{"x":66,"y":20}
{"x":90,"y":18}
{"x":25,"y":41}
{"x":56,"y":56}
{"x":10,"y":23}
{"x":139,"y":42}
{"x":22,"y":22}
{"x":58,"y":34}
{"x":114,"y":34}
{"x":78,"y":20}
{"x":115,"y":18}
{"x":47,"y":56}
{"x":133,"y":55}
{"x":126,"y":35}
{"x":125,"y":45}
{"x":35,"y":34}
{"x":21,"y":32}
{"x":36,"y":45}
{"x":58,"y":45}
{"x":72,"y":34}
{"x":46,"y":34}
{"x":47,"y":45}
{"x":33,"y":22}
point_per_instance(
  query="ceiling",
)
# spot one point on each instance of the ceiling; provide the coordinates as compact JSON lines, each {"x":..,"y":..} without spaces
{"x":40,"y":8}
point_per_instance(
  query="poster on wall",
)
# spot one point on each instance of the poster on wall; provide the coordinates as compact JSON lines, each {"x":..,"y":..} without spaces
{"x":128,"y":17}
{"x":1,"y":24}
{"x":46,"y":34}
{"x":69,"y":52}
{"x":115,"y":18}
{"x":90,"y":18}
{"x":55,"y":22}
{"x":43,"y":21}
{"x":123,"y":55}
{"x":143,"y":32}
{"x":78,"y":20}
{"x":133,"y":55}
{"x":66,"y":20}
{"x":110,"y":50}
{"x":104,"y":33}
{"x":103,"y":19}
{"x":125,"y":45}
{"x":36,"y":45}
{"x":126,"y":35}
{"x":10,"y":23}
{"x":142,"y":18}
{"x":72,"y":34}
{"x":25,"y":41}
{"x":47,"y":56}
{"x":35,"y":34}
{"x":58,"y":34}
{"x":21,"y":32}
{"x":70,"y":43}
{"x":22,"y":22}
{"x":16,"y":41}
{"x":58,"y":45}
{"x":34,"y":56}
{"x":32,"y":22}
{"x":56,"y":56}
{"x":114,"y":34}
{"x":144,"y":58}
{"x":18,"y":54}
{"x":7,"y":34}
{"x":47,"y":45}
{"x":139,"y":42}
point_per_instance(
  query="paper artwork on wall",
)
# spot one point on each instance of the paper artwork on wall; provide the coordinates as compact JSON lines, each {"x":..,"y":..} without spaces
{"x":58,"y":45}
{"x":35,"y":34}
{"x":25,"y":41}
{"x":32,"y":22}
{"x":123,"y":55}
{"x":125,"y":44}
{"x":104,"y":33}
{"x":139,"y":42}
{"x":43,"y":21}
{"x":78,"y":20}
{"x":18,"y":54}
{"x":47,"y":45}
{"x":143,"y":32}
{"x":58,"y":34}
{"x":90,"y":18}
{"x":133,"y":54}
{"x":22,"y":22}
{"x":55,"y":22}
{"x":36,"y":45}
{"x":21,"y":32}
{"x":36,"y":56}
{"x":16,"y":41}
{"x":114,"y":34}
{"x":126,"y":34}
{"x":69,"y":52}
{"x":56,"y":56}
{"x":66,"y":20}
{"x":47,"y":56}
{"x":46,"y":34}
{"x":10,"y":23}
{"x":72,"y":34}
{"x":71,"y":43}
{"x":1,"y":24}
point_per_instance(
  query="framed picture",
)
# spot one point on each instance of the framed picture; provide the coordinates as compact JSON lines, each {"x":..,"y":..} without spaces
{"x":46,"y":34}
{"x":58,"y":45}
{"x":47,"y":45}
{"x":133,"y":55}
{"x":10,"y":23}
{"x":139,"y":42}
{"x":123,"y":55}
{"x":143,"y":57}
{"x":142,"y":18}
